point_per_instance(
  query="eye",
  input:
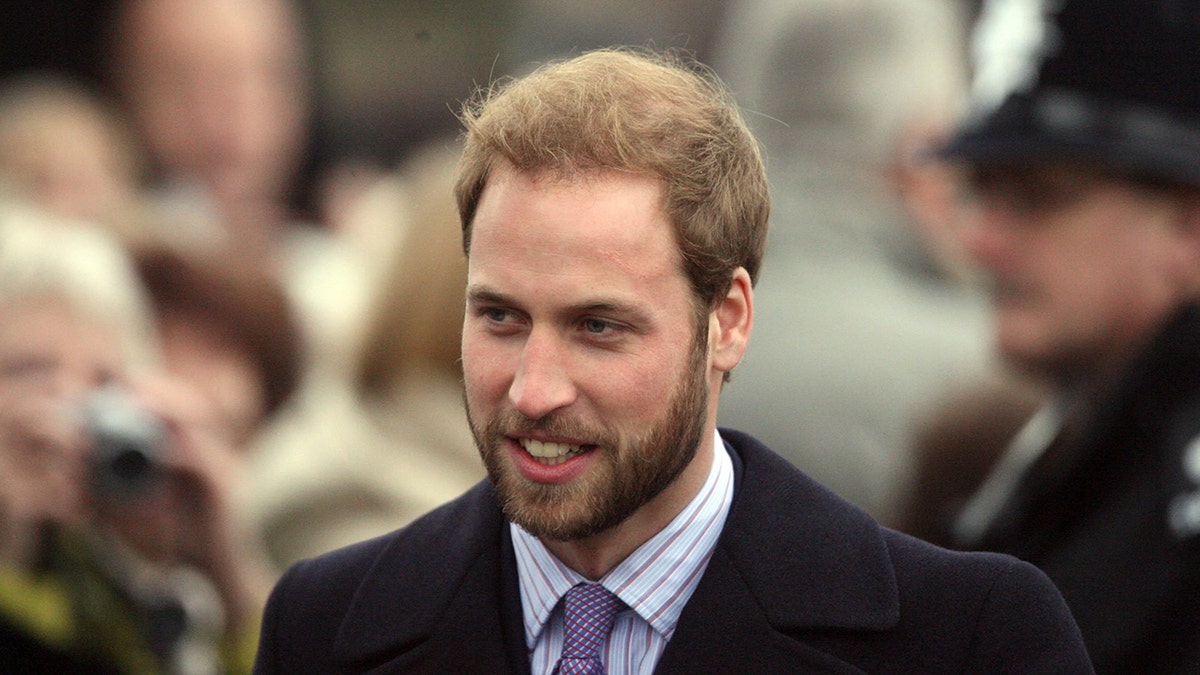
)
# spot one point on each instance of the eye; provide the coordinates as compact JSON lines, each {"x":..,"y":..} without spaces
{"x":596,"y":326}
{"x":1035,"y":193}
{"x":499,"y":319}
{"x":496,"y":314}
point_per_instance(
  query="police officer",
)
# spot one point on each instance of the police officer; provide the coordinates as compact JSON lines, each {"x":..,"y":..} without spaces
{"x":1082,"y":157}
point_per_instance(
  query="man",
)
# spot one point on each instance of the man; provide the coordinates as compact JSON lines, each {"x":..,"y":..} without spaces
{"x":614,"y":209}
{"x":1086,"y":181}
{"x":217,"y":93}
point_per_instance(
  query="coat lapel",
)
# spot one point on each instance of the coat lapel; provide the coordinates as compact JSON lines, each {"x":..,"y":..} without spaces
{"x":405,"y":619}
{"x":723,"y":630}
{"x":792,"y":557}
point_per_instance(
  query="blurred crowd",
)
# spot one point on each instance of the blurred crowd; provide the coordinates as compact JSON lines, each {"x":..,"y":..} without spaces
{"x":231,"y":282}
{"x":213,"y":361}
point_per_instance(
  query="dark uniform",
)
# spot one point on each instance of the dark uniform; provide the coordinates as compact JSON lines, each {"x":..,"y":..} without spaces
{"x":1114,"y":516}
{"x":1111,"y":509}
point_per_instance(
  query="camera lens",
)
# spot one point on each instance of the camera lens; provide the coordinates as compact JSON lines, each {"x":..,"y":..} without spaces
{"x":129,"y":464}
{"x":126,"y":443}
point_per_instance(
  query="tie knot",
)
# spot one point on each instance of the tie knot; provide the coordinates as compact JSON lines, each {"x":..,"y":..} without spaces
{"x":587,"y":620}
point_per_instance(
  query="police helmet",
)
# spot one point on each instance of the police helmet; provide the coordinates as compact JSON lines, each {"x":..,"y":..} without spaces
{"x":1113,"y":82}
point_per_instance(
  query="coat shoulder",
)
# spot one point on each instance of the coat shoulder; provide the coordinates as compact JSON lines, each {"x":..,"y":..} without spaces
{"x":429,"y":544}
{"x":1007,"y":610}
{"x":415,"y":568}
{"x":830,"y":577}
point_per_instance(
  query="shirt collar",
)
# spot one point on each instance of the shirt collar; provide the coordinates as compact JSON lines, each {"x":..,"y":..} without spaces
{"x":656,"y":580}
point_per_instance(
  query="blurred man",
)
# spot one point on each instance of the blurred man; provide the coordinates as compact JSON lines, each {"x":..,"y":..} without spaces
{"x":614,"y":211}
{"x":858,"y":318}
{"x":218,"y":92}
{"x":1084,"y":167}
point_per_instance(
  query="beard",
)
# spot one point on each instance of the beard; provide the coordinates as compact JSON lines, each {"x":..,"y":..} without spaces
{"x":623,"y":478}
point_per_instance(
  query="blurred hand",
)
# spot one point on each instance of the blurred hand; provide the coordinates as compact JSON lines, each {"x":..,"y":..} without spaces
{"x":188,"y":515}
{"x":191,"y":516}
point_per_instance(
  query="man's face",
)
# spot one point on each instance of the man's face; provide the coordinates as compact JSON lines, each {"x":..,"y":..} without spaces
{"x":218,"y":89}
{"x":1084,"y":266}
{"x":587,"y":378}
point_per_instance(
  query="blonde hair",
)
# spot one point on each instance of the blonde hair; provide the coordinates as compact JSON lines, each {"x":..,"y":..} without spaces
{"x":658,"y":114}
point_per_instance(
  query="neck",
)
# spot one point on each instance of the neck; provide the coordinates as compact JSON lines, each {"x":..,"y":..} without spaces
{"x":595,"y":556}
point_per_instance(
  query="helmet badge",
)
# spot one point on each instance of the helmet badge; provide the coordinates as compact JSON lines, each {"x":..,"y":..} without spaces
{"x":1009,"y":43}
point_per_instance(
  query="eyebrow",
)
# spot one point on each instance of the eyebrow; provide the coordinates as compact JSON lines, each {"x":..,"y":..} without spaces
{"x":488,"y":296}
{"x":483,"y":295}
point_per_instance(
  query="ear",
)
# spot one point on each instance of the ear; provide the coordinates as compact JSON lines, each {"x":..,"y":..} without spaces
{"x":730,"y":323}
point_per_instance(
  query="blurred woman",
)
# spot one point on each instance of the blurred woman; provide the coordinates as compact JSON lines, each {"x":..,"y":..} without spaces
{"x":120,"y":545}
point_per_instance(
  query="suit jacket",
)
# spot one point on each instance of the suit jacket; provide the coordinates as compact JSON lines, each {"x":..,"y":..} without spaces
{"x":800,"y":581}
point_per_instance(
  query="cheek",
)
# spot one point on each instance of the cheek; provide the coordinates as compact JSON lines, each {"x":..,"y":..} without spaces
{"x":643,"y":389}
{"x":1129,"y":270}
{"x":486,"y":372}
{"x":1077,"y":270}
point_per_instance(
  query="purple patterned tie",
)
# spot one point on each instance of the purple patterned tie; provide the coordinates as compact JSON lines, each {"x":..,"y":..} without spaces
{"x":587,"y":620}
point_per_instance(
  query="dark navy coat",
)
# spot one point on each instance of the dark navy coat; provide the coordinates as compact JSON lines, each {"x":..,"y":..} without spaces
{"x":800,"y":581}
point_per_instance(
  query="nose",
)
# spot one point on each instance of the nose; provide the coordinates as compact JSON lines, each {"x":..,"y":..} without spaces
{"x":542,"y":383}
{"x":987,"y":234}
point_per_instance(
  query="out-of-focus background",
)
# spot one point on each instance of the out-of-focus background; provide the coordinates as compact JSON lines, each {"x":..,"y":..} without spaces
{"x":312,"y":144}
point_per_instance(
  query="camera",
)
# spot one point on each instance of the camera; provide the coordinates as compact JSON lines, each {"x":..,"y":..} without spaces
{"x":126,"y":444}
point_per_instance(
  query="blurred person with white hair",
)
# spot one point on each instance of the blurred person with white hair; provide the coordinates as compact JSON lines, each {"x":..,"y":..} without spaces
{"x":120,"y":550}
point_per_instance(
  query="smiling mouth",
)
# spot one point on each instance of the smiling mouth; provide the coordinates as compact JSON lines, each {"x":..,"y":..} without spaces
{"x":551,"y":454}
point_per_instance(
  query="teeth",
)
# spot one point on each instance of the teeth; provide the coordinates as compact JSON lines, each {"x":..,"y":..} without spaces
{"x":550,"y":453}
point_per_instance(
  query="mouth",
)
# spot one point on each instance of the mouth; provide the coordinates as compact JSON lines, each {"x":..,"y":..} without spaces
{"x":550,"y":453}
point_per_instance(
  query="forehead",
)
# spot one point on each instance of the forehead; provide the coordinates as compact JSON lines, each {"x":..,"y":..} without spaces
{"x":600,"y":215}
{"x":47,"y":314}
{"x":199,"y":34}
{"x":598,"y":240}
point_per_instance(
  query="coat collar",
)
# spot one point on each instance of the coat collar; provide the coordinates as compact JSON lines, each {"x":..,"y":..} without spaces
{"x":792,"y":556}
{"x":809,"y":558}
{"x":1163,"y":376}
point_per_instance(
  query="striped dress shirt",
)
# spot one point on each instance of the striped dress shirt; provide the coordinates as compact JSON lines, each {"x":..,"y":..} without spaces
{"x":654,"y":582}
